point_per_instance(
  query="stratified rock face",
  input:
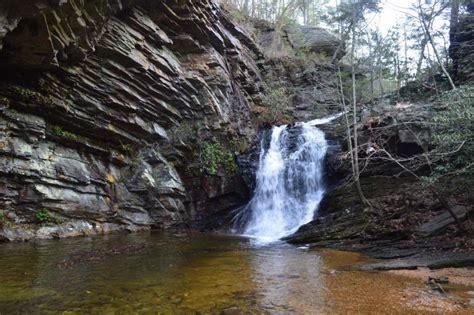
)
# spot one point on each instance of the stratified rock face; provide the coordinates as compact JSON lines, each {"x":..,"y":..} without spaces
{"x":461,"y":49}
{"x":118,"y":105}
{"x":314,"y":86}
{"x":300,"y":58}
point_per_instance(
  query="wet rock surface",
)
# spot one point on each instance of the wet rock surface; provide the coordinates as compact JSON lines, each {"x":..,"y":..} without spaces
{"x":391,"y":230}
{"x":104,"y":131}
{"x":132,"y":115}
{"x":407,"y":224}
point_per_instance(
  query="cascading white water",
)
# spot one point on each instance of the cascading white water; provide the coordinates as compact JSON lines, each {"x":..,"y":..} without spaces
{"x":289,"y":181}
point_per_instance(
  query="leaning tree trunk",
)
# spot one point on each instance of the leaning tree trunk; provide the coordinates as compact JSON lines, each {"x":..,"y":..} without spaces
{"x":431,"y":41}
{"x":355,"y":161}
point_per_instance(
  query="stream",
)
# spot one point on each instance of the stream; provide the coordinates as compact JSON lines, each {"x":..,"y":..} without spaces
{"x":198,"y":273}
{"x":194,"y":273}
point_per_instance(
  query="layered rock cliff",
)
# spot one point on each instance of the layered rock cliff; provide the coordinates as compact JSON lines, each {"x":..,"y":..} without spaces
{"x":131,"y":114}
{"x":120,"y":114}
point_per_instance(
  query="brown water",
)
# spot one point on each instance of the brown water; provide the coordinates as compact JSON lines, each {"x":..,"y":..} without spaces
{"x":200,"y":274}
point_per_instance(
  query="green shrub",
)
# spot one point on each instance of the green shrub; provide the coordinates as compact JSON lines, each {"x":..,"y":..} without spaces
{"x":4,"y":101}
{"x":230,"y":164}
{"x":126,"y":148}
{"x":214,"y":157}
{"x":44,"y":216}
{"x":211,"y":157}
{"x":58,"y":131}
{"x":27,"y":95}
{"x":275,"y":104}
{"x":453,"y":134}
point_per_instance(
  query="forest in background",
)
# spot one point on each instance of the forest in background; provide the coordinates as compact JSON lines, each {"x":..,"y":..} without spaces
{"x":414,"y":48}
{"x":408,"y":62}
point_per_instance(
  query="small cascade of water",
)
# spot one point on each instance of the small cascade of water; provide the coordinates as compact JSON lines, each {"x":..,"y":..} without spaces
{"x":290,"y":182}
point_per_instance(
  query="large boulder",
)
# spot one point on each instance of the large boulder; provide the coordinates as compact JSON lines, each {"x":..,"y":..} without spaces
{"x":316,"y":40}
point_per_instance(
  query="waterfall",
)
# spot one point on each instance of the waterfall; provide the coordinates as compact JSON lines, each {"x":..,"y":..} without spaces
{"x":290,"y":182}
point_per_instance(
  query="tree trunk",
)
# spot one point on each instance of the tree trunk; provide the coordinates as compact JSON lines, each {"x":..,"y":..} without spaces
{"x":372,"y":75}
{"x":420,"y":59}
{"x":355,"y":161}
{"x":454,"y":17}
{"x":348,"y":125}
{"x":430,"y":39}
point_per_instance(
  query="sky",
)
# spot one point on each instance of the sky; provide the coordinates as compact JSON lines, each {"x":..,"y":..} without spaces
{"x":393,"y":11}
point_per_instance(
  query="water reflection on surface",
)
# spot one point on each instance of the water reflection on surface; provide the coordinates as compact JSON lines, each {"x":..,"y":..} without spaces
{"x":288,"y":278}
{"x":190,"y":274}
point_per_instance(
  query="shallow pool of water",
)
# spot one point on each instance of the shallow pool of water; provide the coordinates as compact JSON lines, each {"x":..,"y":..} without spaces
{"x":195,"y":273}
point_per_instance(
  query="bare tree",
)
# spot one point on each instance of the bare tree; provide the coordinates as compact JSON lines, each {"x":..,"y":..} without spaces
{"x":425,"y":20}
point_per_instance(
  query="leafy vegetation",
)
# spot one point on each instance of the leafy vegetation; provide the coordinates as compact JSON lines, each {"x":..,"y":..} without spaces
{"x":454,"y":134}
{"x":127,"y":148}
{"x":280,"y":12}
{"x":275,"y":103}
{"x":27,"y":95}
{"x":44,"y":216}
{"x":215,"y":157}
{"x":4,"y":101}
{"x":58,"y":131}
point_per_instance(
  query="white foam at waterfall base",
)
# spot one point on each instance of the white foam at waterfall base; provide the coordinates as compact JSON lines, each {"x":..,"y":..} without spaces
{"x":289,"y":182}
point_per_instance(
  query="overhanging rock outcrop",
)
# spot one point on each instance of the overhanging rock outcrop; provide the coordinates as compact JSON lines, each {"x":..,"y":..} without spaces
{"x":108,"y":107}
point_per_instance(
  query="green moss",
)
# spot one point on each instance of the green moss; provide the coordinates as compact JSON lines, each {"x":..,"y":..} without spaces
{"x":230,"y":164}
{"x":27,"y":95}
{"x":3,"y":218}
{"x":58,"y":131}
{"x":126,"y":148}
{"x":4,"y":101}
